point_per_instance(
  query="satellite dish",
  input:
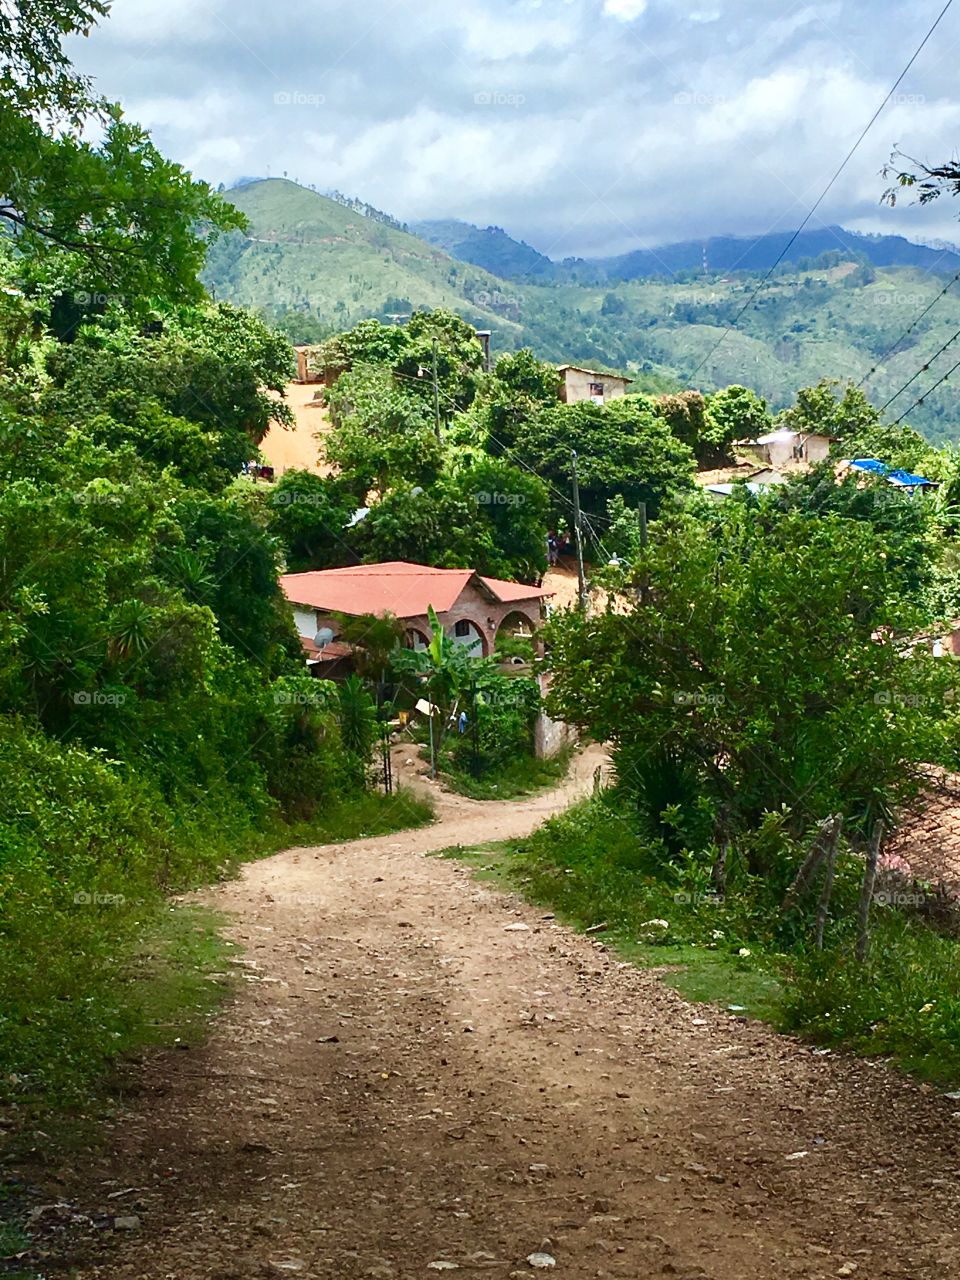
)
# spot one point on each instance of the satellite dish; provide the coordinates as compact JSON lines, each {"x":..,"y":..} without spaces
{"x":323,"y":637}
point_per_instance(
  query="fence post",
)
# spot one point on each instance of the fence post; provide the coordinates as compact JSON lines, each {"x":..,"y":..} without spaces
{"x":866,"y":892}
{"x":823,"y":909}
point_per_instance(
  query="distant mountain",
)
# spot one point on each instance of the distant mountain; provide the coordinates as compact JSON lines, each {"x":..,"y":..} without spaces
{"x":745,"y":253}
{"x":490,"y":248}
{"x":497,"y":252}
{"x":314,"y":266}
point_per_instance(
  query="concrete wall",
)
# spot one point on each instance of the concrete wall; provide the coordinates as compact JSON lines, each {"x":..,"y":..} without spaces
{"x":780,"y":454}
{"x":551,"y":736}
{"x":577,"y":386}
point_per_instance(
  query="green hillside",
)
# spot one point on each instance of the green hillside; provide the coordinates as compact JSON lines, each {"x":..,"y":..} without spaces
{"x":314,"y":267}
{"x":319,"y":266}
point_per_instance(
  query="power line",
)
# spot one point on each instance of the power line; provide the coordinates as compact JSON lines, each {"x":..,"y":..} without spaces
{"x":929,"y":391}
{"x":823,"y":195}
{"x":909,"y":329}
{"x":923,"y":369}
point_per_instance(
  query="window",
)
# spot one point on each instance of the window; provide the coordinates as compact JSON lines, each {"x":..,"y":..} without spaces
{"x":461,"y":628}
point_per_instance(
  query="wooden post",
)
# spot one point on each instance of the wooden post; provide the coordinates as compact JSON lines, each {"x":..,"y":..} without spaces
{"x":811,"y":864}
{"x":866,"y":892}
{"x":823,"y":908}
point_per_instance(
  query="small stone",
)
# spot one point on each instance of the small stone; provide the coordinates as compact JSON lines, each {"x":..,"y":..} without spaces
{"x":542,"y":1261}
{"x":441,"y":1265}
{"x":519,"y":927}
{"x":129,"y":1223}
{"x":847,"y":1269}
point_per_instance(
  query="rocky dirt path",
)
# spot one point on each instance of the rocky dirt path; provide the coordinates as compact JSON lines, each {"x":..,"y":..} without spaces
{"x":420,"y":1073}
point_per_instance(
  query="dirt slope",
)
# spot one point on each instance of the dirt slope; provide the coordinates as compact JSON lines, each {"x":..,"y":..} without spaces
{"x":407,"y":1077}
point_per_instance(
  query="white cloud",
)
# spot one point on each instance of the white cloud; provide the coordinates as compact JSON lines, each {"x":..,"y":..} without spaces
{"x":625,"y":10}
{"x":579,"y":135}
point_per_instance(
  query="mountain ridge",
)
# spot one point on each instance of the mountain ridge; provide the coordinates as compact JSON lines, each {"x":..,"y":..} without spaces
{"x":494,"y":250}
{"x":315,"y":267}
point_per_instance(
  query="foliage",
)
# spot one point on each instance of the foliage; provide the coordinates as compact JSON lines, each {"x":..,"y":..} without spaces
{"x":905,"y":526}
{"x":511,"y":510}
{"x":624,"y":535}
{"x":827,"y":410}
{"x":755,"y":664}
{"x":310,"y":514}
{"x":358,"y":720}
{"x":374,"y":639}
{"x":192,"y":399}
{"x":504,"y":709}
{"x":903,"y":1004}
{"x":517,"y":389}
{"x":735,"y":413}
{"x":623,"y":447}
{"x":436,"y":526}
{"x":382,"y":433}
{"x":407,"y":351}
{"x":442,"y":673}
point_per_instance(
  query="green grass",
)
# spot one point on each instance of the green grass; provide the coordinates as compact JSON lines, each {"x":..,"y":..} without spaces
{"x":150,"y":973}
{"x":521,"y":776}
{"x":369,"y":814}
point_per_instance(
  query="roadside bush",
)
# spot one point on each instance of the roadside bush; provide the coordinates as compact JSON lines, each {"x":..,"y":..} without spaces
{"x":904,"y":1002}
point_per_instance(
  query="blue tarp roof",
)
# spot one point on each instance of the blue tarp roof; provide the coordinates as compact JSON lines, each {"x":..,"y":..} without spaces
{"x":904,"y":479}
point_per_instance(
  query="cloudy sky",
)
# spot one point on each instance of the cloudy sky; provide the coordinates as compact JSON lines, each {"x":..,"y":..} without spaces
{"x":583,"y":126}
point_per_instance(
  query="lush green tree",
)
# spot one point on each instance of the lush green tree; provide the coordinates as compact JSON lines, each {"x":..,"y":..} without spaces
{"x":200,"y":395}
{"x":830,"y":408}
{"x":512,"y":513}
{"x":114,"y":214}
{"x":437,"y":526}
{"x":459,"y":356}
{"x":226,"y":560}
{"x":735,"y":413}
{"x":905,"y":526}
{"x":685,"y":415}
{"x":763,"y":667}
{"x":310,"y":515}
{"x":623,"y":447}
{"x":517,"y":389}
{"x":408,"y":351}
{"x":382,"y":433}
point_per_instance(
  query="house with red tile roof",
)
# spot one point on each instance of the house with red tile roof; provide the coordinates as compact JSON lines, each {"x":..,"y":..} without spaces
{"x":472,"y":609}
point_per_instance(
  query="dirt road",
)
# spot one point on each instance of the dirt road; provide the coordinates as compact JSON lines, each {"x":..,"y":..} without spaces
{"x":420,"y":1071}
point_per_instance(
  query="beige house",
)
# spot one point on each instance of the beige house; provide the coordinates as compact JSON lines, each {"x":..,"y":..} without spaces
{"x":786,"y":448}
{"x":587,"y":384}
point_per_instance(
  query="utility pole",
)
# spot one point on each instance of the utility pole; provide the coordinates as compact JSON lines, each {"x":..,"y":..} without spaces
{"x":578,"y":533}
{"x":436,"y":390}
